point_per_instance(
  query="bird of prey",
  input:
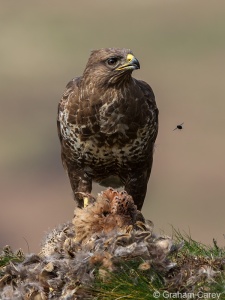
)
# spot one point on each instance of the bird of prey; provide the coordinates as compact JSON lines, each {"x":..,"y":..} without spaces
{"x":107,"y":126}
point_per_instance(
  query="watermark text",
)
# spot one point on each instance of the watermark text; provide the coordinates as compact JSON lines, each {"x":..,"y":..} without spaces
{"x":179,"y":295}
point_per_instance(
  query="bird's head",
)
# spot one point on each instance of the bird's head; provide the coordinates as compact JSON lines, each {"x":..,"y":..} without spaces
{"x":111,"y":65}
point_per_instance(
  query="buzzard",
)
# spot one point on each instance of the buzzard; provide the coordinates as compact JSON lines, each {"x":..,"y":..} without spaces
{"x":107,"y":126}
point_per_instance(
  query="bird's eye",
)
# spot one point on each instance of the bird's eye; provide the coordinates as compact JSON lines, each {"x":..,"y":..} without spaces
{"x":112,"y":61}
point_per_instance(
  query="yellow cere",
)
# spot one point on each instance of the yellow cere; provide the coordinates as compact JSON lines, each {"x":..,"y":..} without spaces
{"x":130,"y":57}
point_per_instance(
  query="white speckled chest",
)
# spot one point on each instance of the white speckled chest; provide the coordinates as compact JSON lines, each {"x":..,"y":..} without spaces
{"x":88,"y":151}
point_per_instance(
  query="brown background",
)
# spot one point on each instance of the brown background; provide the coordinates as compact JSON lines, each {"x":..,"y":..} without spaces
{"x":181,"y":48}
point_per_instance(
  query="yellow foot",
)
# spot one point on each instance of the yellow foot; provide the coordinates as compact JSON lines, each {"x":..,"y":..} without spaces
{"x":86,"y":201}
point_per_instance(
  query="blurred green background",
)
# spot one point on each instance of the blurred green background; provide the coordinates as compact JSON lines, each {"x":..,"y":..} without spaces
{"x":181,"y":48}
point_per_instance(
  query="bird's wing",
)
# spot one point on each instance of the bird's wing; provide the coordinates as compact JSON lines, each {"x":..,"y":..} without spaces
{"x":152,"y":109}
{"x":68,"y":106}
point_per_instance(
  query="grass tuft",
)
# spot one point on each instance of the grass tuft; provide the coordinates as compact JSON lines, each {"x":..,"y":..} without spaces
{"x":197,"y":268}
{"x":129,"y":282}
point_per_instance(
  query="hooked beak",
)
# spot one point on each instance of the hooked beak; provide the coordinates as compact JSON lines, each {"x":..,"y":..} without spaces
{"x":131,"y":63}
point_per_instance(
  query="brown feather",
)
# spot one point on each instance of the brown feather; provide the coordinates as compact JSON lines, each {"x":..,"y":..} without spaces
{"x":107,"y":124}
